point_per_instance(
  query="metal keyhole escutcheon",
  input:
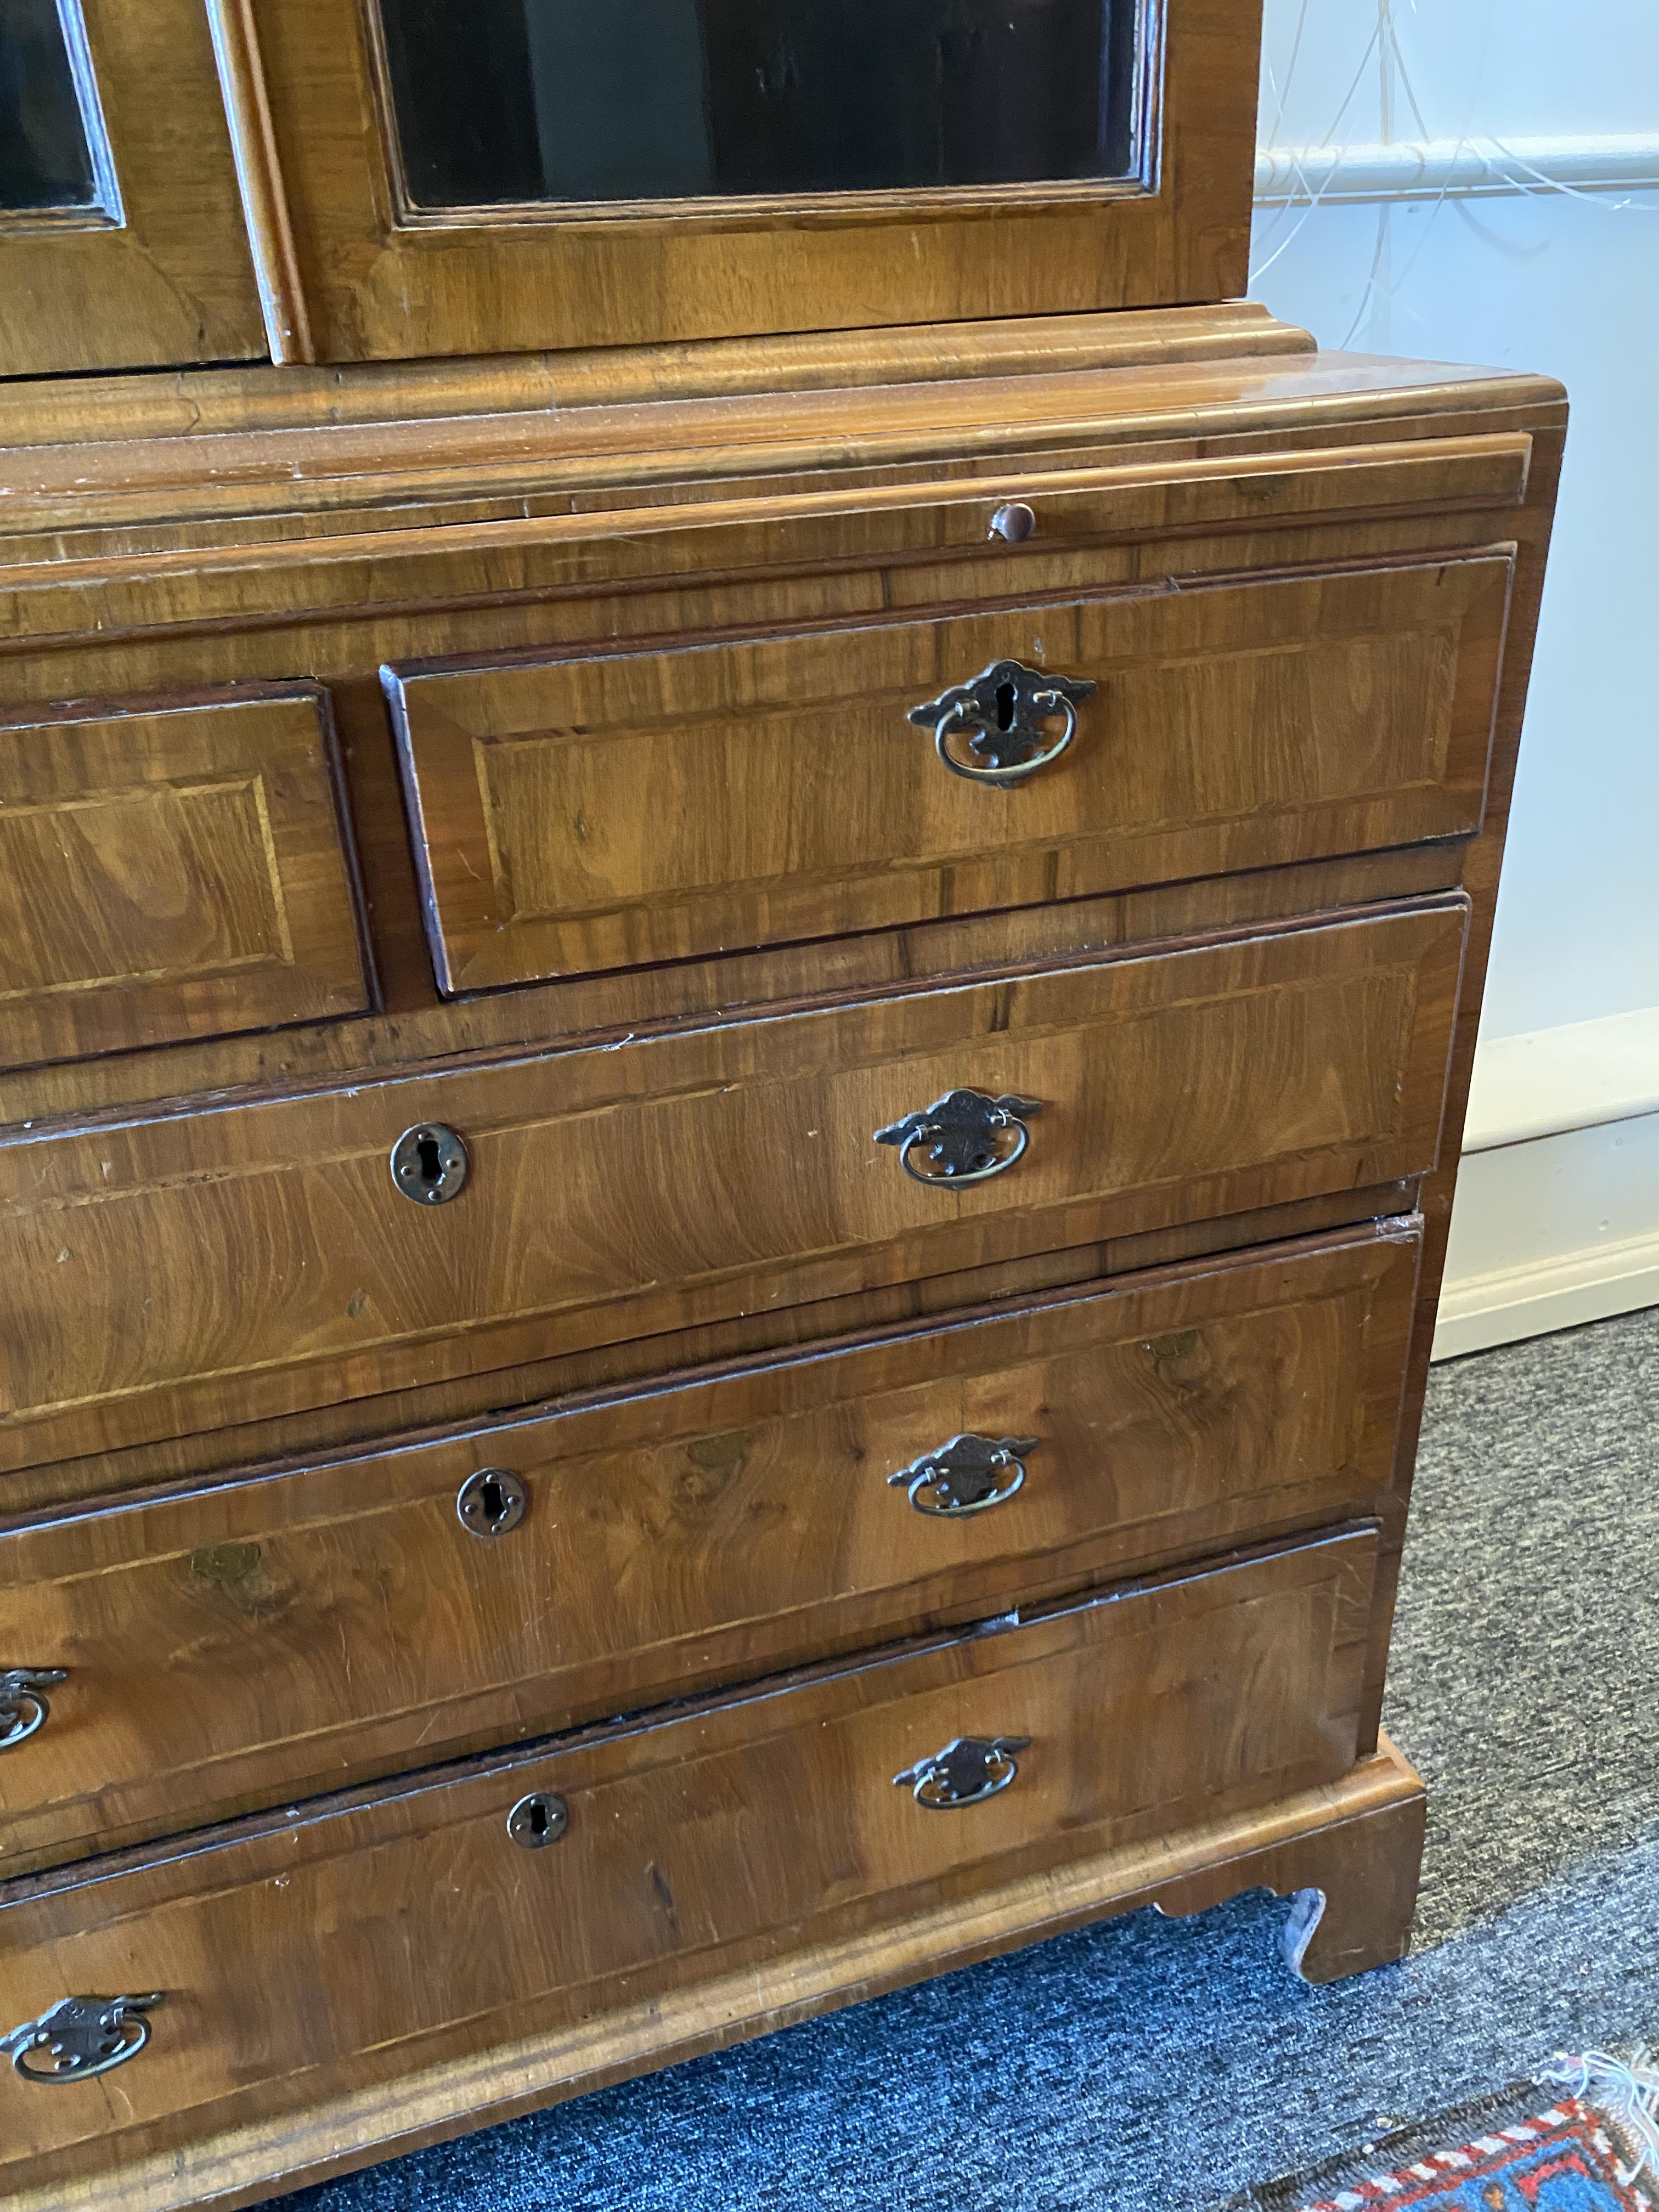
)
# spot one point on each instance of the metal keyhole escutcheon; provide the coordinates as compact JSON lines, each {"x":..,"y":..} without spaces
{"x":491,"y":1502}
{"x":538,"y":1819}
{"x":968,"y":1475}
{"x":964,"y":1137}
{"x":1000,"y":728}
{"x":429,"y":1163}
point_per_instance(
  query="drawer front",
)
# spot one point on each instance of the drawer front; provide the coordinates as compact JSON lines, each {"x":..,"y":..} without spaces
{"x":335,"y":1950}
{"x":177,"y":1272}
{"x":174,"y":874}
{"x":282,"y":1635}
{"x":576,"y":814}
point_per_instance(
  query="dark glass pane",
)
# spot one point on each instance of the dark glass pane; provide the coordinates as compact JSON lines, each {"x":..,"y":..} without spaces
{"x":46,"y":161}
{"x":604,"y":99}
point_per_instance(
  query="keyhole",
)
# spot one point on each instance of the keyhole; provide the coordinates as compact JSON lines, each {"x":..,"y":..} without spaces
{"x":1005,"y":706}
{"x":538,"y":1820}
{"x":492,"y":1501}
{"x":428,"y":1164}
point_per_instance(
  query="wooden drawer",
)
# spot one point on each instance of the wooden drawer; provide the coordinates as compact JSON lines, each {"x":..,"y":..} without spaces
{"x":171,"y":873}
{"x":170,"y":1273}
{"x":578,"y":813}
{"x":286,"y":1633}
{"x":310,"y":1954}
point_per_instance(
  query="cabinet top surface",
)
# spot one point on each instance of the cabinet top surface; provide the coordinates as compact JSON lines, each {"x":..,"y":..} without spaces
{"x":733,"y":409}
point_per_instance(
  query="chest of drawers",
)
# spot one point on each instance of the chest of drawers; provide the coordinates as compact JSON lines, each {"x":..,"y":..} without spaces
{"x":722,"y":1175}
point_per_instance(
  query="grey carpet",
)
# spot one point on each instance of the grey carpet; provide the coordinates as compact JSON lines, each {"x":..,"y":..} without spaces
{"x":1153,"y":2066}
{"x":1525,"y":1683}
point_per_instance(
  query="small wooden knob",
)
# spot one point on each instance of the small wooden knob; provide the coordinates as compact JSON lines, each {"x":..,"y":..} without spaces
{"x":1015,"y":522}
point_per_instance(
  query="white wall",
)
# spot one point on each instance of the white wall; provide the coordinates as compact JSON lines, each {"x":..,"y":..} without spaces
{"x":1565,"y":282}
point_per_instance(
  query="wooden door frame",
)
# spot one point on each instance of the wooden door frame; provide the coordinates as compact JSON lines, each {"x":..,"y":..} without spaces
{"x":373,"y":280}
{"x":164,"y":276}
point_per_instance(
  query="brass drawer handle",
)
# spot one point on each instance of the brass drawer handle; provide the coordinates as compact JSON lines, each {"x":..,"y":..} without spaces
{"x":23,"y":1707}
{"x":81,"y":2036}
{"x":1005,"y":715}
{"x":966,"y":1772}
{"x":967,"y":1475}
{"x":965,"y":1133}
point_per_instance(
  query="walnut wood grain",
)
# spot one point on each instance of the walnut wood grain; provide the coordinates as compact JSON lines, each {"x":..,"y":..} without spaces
{"x":1352,"y":1883}
{"x":220,"y":401}
{"x":379,"y":285}
{"x":260,"y":173}
{"x":172,"y":1465}
{"x":623,"y":1188}
{"x":145,"y":626}
{"x":312,"y":493}
{"x":707,"y":1841}
{"x":97,"y":629}
{"x":580,"y":814}
{"x":635,"y":999}
{"x":277,"y":1635}
{"x":1329,"y":401}
{"x":172,"y":874}
{"x":540,"y":470}
{"x":171,"y":280}
{"x":1355,"y":1842}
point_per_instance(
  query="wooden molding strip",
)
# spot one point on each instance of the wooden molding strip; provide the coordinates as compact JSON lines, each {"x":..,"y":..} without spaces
{"x":203,"y":402}
{"x":362,"y":573}
{"x":258,"y":173}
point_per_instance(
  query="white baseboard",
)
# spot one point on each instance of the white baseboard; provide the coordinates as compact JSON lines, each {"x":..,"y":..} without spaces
{"x":1569,"y":1077}
{"x":1556,"y":1219}
{"x":1479,"y":1311}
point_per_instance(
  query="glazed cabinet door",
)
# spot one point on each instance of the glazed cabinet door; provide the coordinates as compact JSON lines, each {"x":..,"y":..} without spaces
{"x":122,"y":243}
{"x":540,"y":173}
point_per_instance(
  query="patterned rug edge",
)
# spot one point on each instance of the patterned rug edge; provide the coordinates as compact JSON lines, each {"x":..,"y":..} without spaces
{"x":1597,"y":2113}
